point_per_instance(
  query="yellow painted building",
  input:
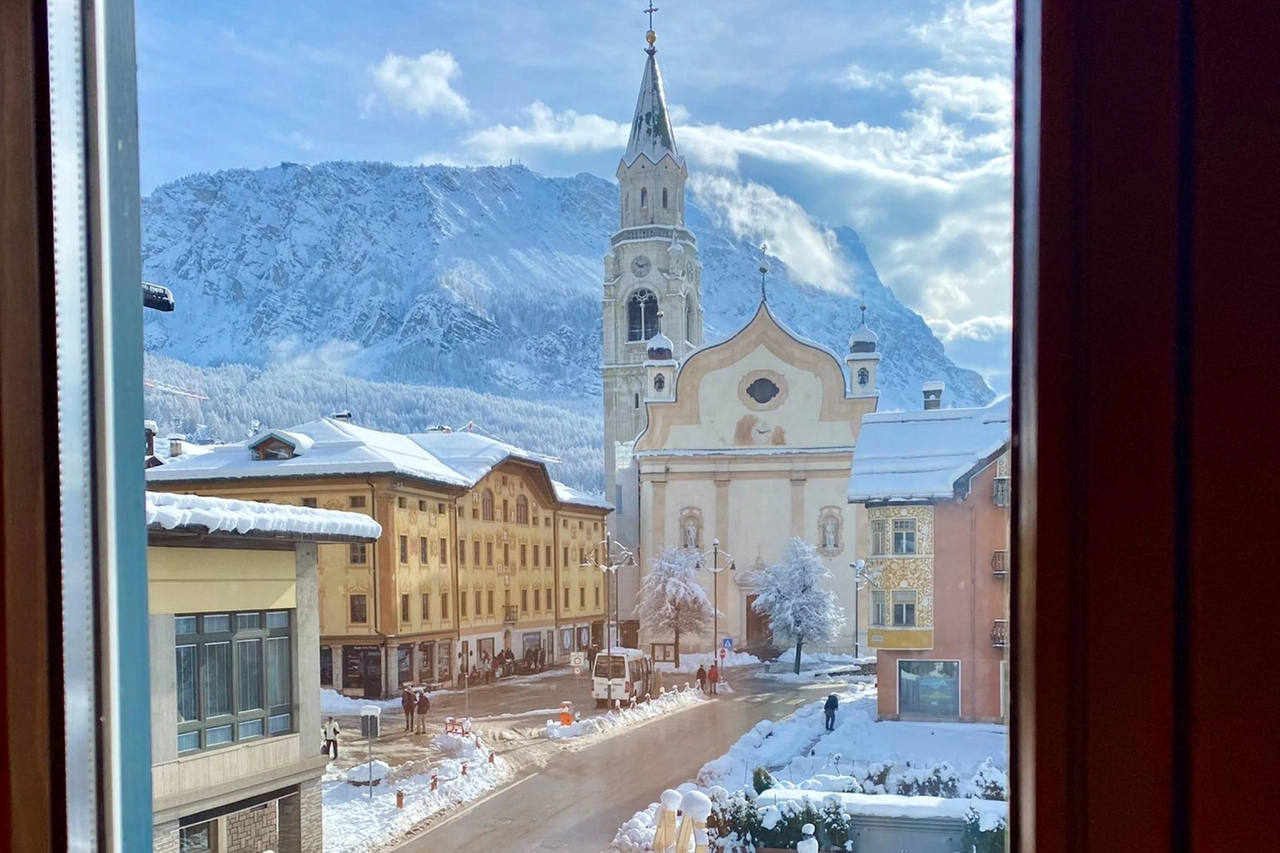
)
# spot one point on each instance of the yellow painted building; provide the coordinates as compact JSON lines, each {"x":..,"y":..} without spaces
{"x":477,"y":548}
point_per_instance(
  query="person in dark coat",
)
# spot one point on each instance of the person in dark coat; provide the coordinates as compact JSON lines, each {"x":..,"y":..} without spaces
{"x":407,"y":704}
{"x":423,"y":708}
{"x":702,"y":678}
{"x":829,"y":711}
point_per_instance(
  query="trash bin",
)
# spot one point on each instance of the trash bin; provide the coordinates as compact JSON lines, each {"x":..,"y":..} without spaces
{"x":566,"y":713}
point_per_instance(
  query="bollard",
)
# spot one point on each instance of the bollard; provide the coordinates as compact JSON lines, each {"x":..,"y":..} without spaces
{"x":464,"y":769}
{"x":399,"y":798}
{"x":435,"y":782}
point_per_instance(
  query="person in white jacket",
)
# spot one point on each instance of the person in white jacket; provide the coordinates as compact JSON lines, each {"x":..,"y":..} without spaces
{"x":331,"y":730}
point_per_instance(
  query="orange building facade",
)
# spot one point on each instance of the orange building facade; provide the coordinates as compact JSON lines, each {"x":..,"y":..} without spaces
{"x":935,"y":485}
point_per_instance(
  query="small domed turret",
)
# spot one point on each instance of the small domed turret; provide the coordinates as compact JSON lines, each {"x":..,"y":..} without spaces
{"x":863,"y":339}
{"x":660,"y":348}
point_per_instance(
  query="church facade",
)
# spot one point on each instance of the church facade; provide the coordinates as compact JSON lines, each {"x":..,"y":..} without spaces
{"x":729,"y":449}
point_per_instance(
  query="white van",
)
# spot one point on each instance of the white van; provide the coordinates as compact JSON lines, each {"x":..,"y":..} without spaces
{"x":621,"y":674}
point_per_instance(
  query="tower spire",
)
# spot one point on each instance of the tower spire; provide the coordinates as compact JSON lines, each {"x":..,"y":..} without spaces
{"x":651,"y":36}
{"x":764,"y":269}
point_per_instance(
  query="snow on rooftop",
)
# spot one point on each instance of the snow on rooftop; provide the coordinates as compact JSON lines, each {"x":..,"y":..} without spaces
{"x":471,"y":455}
{"x":569,"y":495}
{"x":221,"y":515}
{"x":300,"y":442}
{"x":920,"y":455}
{"x":934,"y":385}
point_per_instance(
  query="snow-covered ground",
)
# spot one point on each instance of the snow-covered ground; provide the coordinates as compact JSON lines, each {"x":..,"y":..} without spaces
{"x":872,"y":760}
{"x":333,"y":702}
{"x":667,"y":703}
{"x":364,"y":819}
{"x":691,"y":662}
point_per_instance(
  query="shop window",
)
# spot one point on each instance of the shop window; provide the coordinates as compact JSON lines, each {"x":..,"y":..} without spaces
{"x":929,"y":688}
{"x":199,"y":838}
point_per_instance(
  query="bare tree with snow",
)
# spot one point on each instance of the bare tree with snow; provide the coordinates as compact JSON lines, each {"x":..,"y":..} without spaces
{"x":797,"y":607}
{"x":671,"y":599}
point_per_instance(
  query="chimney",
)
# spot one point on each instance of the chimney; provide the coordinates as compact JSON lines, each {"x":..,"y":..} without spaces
{"x":344,"y":416}
{"x":440,"y":428}
{"x":933,"y":394}
{"x":175,"y":445}
{"x":150,"y":428}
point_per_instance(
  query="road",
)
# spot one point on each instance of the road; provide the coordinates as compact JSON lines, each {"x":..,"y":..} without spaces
{"x":577,"y":802}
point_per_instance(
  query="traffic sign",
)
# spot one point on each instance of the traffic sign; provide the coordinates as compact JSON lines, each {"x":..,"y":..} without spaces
{"x":727,"y":643}
{"x":577,"y":660}
{"x":577,"y":670}
{"x":724,"y":653}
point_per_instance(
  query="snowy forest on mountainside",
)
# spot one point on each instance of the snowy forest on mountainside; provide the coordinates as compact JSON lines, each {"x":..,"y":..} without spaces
{"x":443,"y":281}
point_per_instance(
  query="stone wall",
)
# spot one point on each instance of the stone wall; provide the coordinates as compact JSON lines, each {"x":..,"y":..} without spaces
{"x":165,"y":837}
{"x":301,"y":820}
{"x":252,"y":830}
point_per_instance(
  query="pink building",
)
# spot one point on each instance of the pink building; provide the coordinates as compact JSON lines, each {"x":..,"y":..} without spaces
{"x":935,"y":485}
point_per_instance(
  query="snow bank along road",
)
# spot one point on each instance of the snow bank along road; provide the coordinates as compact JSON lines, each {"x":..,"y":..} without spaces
{"x":576,"y":803}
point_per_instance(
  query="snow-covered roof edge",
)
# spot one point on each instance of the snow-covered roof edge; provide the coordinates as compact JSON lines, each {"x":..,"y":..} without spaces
{"x":200,"y":514}
{"x":569,"y":495}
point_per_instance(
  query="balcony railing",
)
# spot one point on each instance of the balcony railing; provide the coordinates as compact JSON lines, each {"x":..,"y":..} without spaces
{"x":1000,"y":563}
{"x":510,"y":614}
{"x":1000,"y":633}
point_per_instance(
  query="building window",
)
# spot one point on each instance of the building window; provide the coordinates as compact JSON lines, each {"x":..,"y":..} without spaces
{"x":644,"y":197}
{"x":506,"y":513}
{"x":597,"y":596}
{"x":488,"y":554}
{"x":582,"y":558}
{"x":490,"y":603}
{"x":404,"y":607}
{"x":440,"y":510}
{"x":546,"y":522}
{"x":402,"y":503}
{"x":475,"y":552}
{"x":582,"y":597}
{"x":462,"y":602}
{"x":524,"y":601}
{"x":309,"y":502}
{"x":422,"y":549}
{"x":864,"y":376}
{"x":642,"y":315}
{"x":904,"y":608}
{"x":422,"y":506}
{"x":904,"y":536}
{"x":404,"y":549}
{"x":535,"y":556}
{"x":550,"y":601}
{"x":462,"y":552}
{"x":359,"y":554}
{"x":664,"y":198}
{"x":524,"y":553}
{"x":548,"y":553}
{"x":537,"y":600}
{"x":356,"y":502}
{"x":566,"y":598}
{"x":426,"y":607}
{"x":565,"y":564}
{"x":929,"y":688}
{"x":879,"y":537}
{"x":478,"y":600}
{"x":200,"y":838}
{"x":444,"y":552}
{"x":879,"y":608}
{"x":506,"y":555}
{"x":486,"y":505}
{"x":475,"y":513}
{"x":445,"y":615}
{"x":1000,"y":491}
{"x":359,"y":607}
{"x":233,"y":678}
{"x":522,"y":509}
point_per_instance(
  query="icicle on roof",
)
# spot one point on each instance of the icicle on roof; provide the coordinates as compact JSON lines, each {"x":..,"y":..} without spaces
{"x":651,"y":133}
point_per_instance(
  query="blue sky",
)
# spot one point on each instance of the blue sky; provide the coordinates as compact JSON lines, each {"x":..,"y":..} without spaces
{"x":890,"y":118}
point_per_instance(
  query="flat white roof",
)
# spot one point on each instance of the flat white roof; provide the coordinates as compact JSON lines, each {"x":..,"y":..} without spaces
{"x":166,"y":511}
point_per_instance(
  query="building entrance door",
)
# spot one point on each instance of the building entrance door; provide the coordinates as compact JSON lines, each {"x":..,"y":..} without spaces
{"x":759,"y":631}
{"x":371,"y":672}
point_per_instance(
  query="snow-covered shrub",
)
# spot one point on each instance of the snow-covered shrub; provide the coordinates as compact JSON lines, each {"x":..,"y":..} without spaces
{"x":985,"y":833}
{"x":940,"y":781}
{"x":877,"y":779}
{"x":762,"y":780}
{"x":835,"y":826}
{"x":990,"y":783}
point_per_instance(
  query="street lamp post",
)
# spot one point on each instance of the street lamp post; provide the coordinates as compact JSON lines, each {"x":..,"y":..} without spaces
{"x":859,"y":575}
{"x":715,"y":589}
{"x":613,"y":562}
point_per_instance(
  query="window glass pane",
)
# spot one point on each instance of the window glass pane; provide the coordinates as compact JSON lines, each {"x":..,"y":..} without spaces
{"x":188,"y":741}
{"x":201,"y":838}
{"x":248,"y":621}
{"x":250,"y":728}
{"x":217,"y":624}
{"x":249,"y":674}
{"x":186,"y":685}
{"x":217,"y":679}
{"x":183,"y":625}
{"x":278,"y":619}
{"x":278,"y":692}
{"x":217,"y":735}
{"x":279,"y":724}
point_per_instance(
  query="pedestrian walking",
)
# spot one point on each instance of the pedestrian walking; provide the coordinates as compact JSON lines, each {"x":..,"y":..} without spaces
{"x":713,"y":678}
{"x":829,"y":711}
{"x":424,"y":708}
{"x":702,"y":678}
{"x":330,"y":730}
{"x":407,"y":703}
{"x":542,"y":658}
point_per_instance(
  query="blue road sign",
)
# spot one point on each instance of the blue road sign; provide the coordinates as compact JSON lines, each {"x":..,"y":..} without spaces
{"x":727,"y":643}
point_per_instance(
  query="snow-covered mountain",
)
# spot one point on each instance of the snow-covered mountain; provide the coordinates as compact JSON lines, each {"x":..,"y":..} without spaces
{"x":485,"y":279}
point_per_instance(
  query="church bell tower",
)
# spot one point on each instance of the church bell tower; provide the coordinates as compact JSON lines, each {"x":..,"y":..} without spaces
{"x":650,"y":270}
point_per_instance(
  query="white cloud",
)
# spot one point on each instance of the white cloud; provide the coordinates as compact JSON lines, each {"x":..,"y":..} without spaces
{"x":857,"y":77}
{"x":306,"y":143}
{"x":972,"y":33}
{"x":421,"y":85}
{"x":568,"y":132}
{"x":759,"y":214}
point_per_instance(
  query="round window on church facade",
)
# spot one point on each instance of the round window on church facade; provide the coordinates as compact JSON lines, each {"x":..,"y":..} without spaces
{"x":762,"y":390}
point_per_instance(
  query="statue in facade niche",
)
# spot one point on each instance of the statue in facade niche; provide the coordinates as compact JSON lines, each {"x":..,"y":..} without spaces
{"x":690,"y":533}
{"x":830,"y":533}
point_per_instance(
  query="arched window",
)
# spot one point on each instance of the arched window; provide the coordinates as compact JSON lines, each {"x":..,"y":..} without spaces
{"x":642,"y":316}
{"x":522,"y":510}
{"x":486,"y":505}
{"x":688,"y":323}
{"x":864,"y":376}
{"x":664,"y":198}
{"x":637,"y":401}
{"x":644,"y":197}
{"x":626,"y":202}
